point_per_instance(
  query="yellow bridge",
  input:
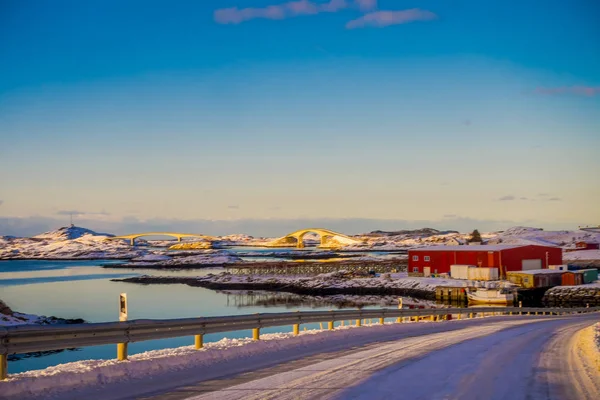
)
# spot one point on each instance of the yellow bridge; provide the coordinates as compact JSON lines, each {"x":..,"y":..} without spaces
{"x":329,"y":239}
{"x":176,"y":235}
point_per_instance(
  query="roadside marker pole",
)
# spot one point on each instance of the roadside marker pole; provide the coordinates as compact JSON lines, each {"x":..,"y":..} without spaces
{"x":381,"y":321}
{"x":256,"y":334}
{"x":122,"y":347}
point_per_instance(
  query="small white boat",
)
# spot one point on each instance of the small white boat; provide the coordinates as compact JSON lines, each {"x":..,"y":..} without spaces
{"x":490,"y":296}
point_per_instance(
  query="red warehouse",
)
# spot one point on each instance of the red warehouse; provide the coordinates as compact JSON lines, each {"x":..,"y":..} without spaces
{"x":438,"y":259}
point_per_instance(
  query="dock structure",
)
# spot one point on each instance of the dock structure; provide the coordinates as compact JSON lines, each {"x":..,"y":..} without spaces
{"x":315,"y":268}
{"x":451,"y":294}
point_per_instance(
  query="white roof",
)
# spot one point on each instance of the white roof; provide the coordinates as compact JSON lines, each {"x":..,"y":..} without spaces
{"x":540,"y":271}
{"x":483,"y":247}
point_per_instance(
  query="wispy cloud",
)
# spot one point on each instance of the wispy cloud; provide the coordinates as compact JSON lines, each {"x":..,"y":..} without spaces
{"x":554,"y":199}
{"x":233,"y":207}
{"x":381,"y":19}
{"x":82,"y":213}
{"x":235,"y":15}
{"x":1,"y":202}
{"x":507,"y":198}
{"x":588,"y":91}
{"x":366,"y":5}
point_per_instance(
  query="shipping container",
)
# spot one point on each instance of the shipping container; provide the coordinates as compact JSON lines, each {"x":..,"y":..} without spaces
{"x":483,"y":274}
{"x":460,"y":271}
{"x":589,"y":275}
{"x":572,"y":278}
{"x":536,"y":278}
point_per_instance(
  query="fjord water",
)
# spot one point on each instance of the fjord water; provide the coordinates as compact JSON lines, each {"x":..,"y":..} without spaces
{"x":83,"y":289}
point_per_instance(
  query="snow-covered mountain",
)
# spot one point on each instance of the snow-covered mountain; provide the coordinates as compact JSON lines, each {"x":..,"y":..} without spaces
{"x":81,"y":243}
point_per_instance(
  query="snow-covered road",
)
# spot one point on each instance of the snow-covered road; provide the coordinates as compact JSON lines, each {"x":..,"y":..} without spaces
{"x":508,"y":359}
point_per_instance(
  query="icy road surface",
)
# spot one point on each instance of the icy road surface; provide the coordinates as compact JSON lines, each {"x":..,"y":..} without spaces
{"x":522,"y":358}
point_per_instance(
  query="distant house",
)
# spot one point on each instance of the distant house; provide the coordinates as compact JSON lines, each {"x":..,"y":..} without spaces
{"x":587,"y":246}
{"x":455,"y":241}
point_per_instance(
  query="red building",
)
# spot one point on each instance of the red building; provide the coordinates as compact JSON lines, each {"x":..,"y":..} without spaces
{"x":438,"y":259}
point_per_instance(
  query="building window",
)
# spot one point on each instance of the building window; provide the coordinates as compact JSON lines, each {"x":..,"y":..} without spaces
{"x":415,"y":258}
{"x":415,"y":269}
{"x":426,"y":258}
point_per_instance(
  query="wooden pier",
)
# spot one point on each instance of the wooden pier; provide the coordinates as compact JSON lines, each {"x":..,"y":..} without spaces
{"x":451,"y":294}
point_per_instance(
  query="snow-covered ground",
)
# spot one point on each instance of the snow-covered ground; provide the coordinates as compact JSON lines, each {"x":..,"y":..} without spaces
{"x":333,"y":280}
{"x":458,"y":348}
{"x":9,"y":317}
{"x":582,"y":255}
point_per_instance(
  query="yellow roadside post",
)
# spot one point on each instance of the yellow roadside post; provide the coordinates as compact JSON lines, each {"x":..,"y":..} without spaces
{"x":296,"y":328}
{"x":381,"y":321}
{"x":399,"y":319}
{"x":433,"y":318}
{"x":256,"y":332}
{"x":358,"y":322}
{"x":3,"y":367}
{"x":199,"y":341}
{"x":520,"y":305}
{"x":122,"y":347}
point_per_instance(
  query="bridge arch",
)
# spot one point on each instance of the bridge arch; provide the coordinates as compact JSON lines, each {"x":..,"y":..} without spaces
{"x":326,"y":236}
{"x":176,"y":235}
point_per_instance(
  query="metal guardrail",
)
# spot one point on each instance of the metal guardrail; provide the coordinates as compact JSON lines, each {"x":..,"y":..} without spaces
{"x":33,"y":338}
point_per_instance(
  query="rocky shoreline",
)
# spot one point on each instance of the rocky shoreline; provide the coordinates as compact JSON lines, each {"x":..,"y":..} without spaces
{"x":572,"y":296}
{"x":8,"y":317}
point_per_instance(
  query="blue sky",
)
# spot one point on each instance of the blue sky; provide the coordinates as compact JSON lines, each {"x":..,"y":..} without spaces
{"x":264,"y":115}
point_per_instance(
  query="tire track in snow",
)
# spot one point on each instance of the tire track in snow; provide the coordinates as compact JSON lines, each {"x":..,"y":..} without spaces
{"x":324,"y":379}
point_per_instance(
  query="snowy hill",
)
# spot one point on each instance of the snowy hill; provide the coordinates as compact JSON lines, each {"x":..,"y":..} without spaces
{"x":69,"y":233}
{"x":66,"y":243}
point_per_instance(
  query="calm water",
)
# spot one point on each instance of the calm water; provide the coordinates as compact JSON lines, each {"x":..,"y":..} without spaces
{"x":82,"y":289}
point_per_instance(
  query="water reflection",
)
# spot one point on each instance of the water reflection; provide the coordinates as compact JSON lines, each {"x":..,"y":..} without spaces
{"x":82,"y":289}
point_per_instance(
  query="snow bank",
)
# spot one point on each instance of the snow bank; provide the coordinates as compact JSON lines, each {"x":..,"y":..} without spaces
{"x":101,"y":374}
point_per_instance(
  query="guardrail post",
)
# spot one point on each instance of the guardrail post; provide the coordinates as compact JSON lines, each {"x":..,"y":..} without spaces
{"x":433,"y":318}
{"x":122,"y":351}
{"x":381,"y":321}
{"x":256,"y":334}
{"x":330,"y":325}
{"x":199,"y":341}
{"x":459,"y":316}
{"x":296,"y":328}
{"x":3,"y":367}
{"x":358,"y":322}
{"x":470,"y":315}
